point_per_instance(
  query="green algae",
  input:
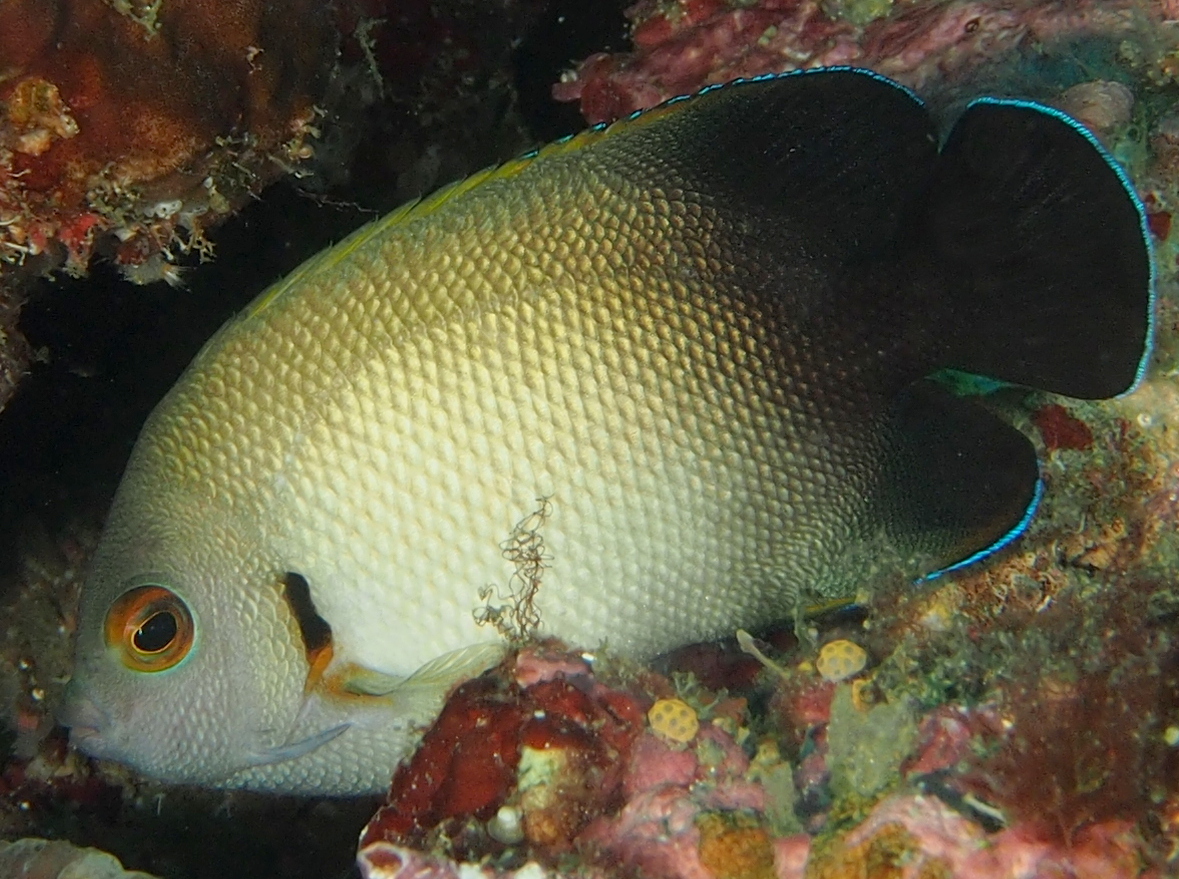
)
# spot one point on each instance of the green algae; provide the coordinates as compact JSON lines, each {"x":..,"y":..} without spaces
{"x":865,"y":748}
{"x":857,"y":12}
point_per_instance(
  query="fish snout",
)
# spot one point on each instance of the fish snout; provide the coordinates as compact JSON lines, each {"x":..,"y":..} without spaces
{"x":86,"y":719}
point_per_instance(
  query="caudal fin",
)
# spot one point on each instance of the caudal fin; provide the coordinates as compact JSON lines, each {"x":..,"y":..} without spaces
{"x":1045,"y":243}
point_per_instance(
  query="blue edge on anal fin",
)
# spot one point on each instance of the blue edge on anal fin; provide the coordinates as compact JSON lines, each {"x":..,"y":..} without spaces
{"x":1006,"y":540}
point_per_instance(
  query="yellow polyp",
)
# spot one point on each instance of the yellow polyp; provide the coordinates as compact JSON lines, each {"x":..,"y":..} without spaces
{"x":733,"y":846}
{"x":674,"y":719}
{"x":840,"y":660}
{"x":861,"y":698}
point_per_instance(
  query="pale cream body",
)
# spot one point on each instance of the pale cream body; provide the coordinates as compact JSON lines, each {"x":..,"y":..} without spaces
{"x":379,"y":422}
{"x":407,"y":406}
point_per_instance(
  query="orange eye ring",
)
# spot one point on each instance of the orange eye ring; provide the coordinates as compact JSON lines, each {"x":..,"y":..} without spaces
{"x":151,"y":627}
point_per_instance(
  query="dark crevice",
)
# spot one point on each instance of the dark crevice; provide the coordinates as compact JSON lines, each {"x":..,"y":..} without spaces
{"x":109,"y":350}
{"x":566,"y":32}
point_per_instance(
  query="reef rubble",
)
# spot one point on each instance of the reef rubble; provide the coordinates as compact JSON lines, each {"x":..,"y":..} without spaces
{"x":559,"y":763}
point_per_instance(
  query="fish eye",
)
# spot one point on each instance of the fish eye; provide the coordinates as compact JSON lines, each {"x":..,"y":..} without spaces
{"x":151,"y":627}
{"x":155,"y":635}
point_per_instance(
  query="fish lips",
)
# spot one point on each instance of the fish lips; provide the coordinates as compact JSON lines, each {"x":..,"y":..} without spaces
{"x":87,"y":720}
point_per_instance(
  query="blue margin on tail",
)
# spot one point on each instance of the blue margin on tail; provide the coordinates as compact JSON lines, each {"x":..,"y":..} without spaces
{"x":1006,"y":540}
{"x":1148,"y":348}
{"x":1127,"y":184}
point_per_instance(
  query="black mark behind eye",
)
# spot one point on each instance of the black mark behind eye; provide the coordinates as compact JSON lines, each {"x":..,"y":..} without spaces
{"x":314,"y":629}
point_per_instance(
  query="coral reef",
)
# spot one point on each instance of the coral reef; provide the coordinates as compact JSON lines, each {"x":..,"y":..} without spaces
{"x":932,"y":46}
{"x":128,"y":130}
{"x":131,"y":129}
{"x":615,"y":796}
{"x":916,"y":837}
{"x":1081,"y":736}
{"x":866,"y":745}
{"x":54,"y":859}
{"x":551,"y":755}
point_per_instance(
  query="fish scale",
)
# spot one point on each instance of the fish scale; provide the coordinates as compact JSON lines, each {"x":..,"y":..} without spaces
{"x":647,"y":392}
{"x":696,"y":341}
{"x":645,"y":432}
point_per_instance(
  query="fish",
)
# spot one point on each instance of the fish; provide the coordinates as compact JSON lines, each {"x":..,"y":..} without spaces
{"x":640,"y":387}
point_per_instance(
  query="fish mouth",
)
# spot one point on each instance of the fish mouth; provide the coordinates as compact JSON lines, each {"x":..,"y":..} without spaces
{"x":86,"y":720}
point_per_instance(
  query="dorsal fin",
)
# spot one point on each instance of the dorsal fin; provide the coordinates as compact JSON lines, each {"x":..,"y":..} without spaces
{"x":838,"y":153}
{"x":840,"y":150}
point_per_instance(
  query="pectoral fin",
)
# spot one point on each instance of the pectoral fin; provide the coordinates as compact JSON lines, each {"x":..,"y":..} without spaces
{"x":450,"y":668}
{"x":293,"y":750}
{"x":437,"y":675}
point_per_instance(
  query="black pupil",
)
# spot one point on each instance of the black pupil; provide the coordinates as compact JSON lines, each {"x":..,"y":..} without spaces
{"x":155,"y":634}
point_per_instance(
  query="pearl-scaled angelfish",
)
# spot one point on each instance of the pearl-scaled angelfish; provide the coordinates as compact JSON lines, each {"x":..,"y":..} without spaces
{"x":689,"y":352}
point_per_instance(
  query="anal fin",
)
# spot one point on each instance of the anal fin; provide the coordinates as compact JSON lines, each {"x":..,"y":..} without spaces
{"x":963,"y":483}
